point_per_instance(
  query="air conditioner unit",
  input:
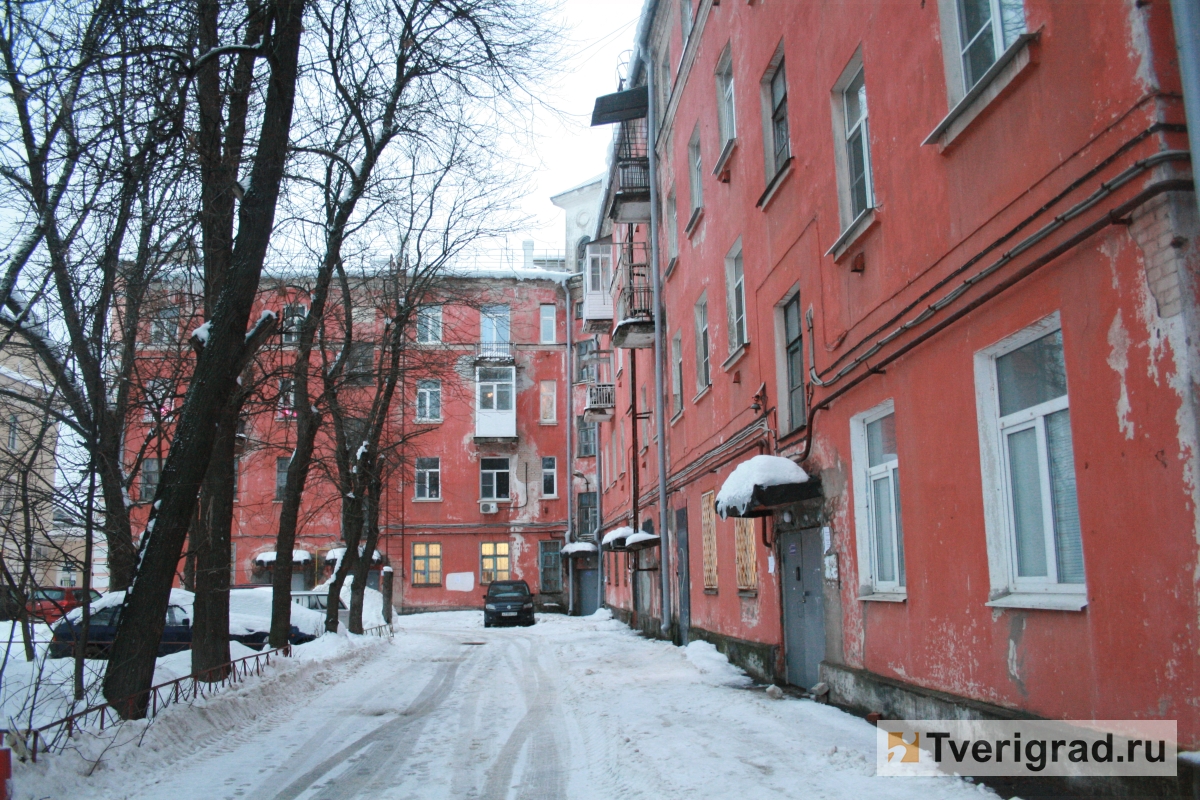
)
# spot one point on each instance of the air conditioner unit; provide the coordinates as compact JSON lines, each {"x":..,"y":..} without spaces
{"x":488,"y":508}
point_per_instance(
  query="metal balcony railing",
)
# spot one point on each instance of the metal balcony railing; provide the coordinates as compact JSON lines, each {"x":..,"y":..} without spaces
{"x":632,"y":161}
{"x":602,"y":395}
{"x":498,"y":351}
{"x":636,"y":296}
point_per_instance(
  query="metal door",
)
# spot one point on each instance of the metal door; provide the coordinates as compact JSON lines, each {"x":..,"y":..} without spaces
{"x":682,"y":570}
{"x":588,"y":590}
{"x":803,"y":605}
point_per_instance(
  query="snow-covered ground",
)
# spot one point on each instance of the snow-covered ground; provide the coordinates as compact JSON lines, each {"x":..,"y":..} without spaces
{"x":570,"y":708}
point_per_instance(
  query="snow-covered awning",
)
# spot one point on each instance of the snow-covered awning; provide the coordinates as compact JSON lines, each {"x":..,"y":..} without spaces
{"x":298,"y":557}
{"x":615,"y":539}
{"x":336,"y":555}
{"x":580,"y":548}
{"x":759,"y":484}
{"x":641,"y":540}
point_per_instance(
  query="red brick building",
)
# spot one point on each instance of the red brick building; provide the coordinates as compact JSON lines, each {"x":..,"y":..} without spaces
{"x":942,"y":255}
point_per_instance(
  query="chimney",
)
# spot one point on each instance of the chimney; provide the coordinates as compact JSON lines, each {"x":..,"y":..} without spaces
{"x":527,"y":246}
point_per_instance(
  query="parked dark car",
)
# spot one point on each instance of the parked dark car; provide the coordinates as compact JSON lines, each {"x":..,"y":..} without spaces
{"x":55,"y":602}
{"x":102,"y":629}
{"x":177,"y":635}
{"x":508,"y":603}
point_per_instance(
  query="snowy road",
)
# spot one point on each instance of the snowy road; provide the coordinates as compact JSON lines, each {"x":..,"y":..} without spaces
{"x":575,"y":708}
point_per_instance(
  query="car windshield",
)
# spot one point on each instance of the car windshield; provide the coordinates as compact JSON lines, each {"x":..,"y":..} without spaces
{"x":95,"y":595}
{"x":105,"y":616}
{"x":507,"y":592}
{"x":175,"y":615}
{"x":48,"y":594}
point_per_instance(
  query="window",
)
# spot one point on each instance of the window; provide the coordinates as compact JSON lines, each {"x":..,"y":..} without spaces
{"x":14,"y":433}
{"x":1025,"y":437}
{"x":735,"y":288}
{"x":429,"y":401}
{"x":695,"y":172}
{"x":880,"y":485}
{"x":549,"y":476}
{"x":360,"y":363}
{"x":494,"y":330}
{"x":496,"y":388}
{"x":645,"y":415}
{"x":493,"y":479}
{"x":794,"y":356}
{"x":355,"y":431}
{"x":672,"y":216}
{"x":578,"y":309}
{"x":726,"y":119}
{"x":429,"y":478}
{"x":548,"y":401}
{"x":293,"y":320}
{"x":708,"y":540}
{"x":164,"y":326}
{"x":493,"y":558}
{"x":986,"y":28}
{"x":551,"y":566}
{"x":744,"y":557}
{"x":779,"y":148}
{"x":160,"y":399}
{"x":549,"y":324}
{"x":856,"y":146}
{"x":589,"y":515}
{"x":677,"y":373}
{"x":685,"y":19}
{"x":599,"y":268}
{"x":663,"y":84}
{"x":427,"y":564}
{"x":281,"y":471}
{"x":585,"y":361}
{"x":587,"y":437}
{"x":287,"y":398}
{"x":151,"y":472}
{"x":429,"y":324}
{"x":703,"y":378}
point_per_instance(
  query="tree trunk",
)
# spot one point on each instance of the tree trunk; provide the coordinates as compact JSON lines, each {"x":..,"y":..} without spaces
{"x":386,"y":579}
{"x":370,"y":527}
{"x":210,"y":625}
{"x":335,"y":589}
{"x":122,"y":556}
{"x":285,"y":541}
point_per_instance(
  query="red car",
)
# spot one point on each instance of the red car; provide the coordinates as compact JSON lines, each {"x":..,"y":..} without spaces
{"x":51,"y":604}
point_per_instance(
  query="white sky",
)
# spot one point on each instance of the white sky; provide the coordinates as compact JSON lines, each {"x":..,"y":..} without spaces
{"x":599,"y":37}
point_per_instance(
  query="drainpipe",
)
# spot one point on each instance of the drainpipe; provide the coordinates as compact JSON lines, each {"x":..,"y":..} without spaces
{"x":600,"y":509}
{"x":570,"y":403}
{"x":659,"y":406}
{"x":1186,"y":16}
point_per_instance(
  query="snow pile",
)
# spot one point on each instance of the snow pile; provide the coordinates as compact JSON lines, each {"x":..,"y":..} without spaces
{"x":519,"y":273}
{"x":579,"y":547}
{"x":336,"y":553}
{"x":615,"y":534}
{"x":250,"y":609}
{"x":738,"y":488}
{"x":298,"y":557}
{"x":640,"y":538}
{"x":372,"y":614}
{"x":714,"y":666}
{"x":600,"y":615}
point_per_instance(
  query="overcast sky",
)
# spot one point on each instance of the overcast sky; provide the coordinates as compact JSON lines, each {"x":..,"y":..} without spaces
{"x":599,"y":38}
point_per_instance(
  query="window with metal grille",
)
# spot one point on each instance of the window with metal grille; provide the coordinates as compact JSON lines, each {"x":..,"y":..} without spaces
{"x":708,"y":539}
{"x":551,"y":566}
{"x":493,"y":562}
{"x":747,"y":565}
{"x":429,"y":478}
{"x":427,"y":564}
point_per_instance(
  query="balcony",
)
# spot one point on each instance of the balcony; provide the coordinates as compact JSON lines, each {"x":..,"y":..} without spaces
{"x":493,"y":353}
{"x":601,"y":402}
{"x":634,"y":328}
{"x":630,"y":198}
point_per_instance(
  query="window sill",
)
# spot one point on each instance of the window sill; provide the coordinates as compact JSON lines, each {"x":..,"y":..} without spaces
{"x":1011,"y":64}
{"x":426,"y":586}
{"x":678,"y":416}
{"x":427,"y":499}
{"x":747,"y":592}
{"x":710,"y":591}
{"x":550,"y":497}
{"x":1048,"y":601}
{"x":700,"y":395}
{"x":693,"y":221}
{"x":735,"y":356}
{"x":780,"y":178}
{"x":670,"y":270}
{"x":862,"y":223}
{"x":884,"y":597}
{"x":548,"y":422}
{"x":423,"y":421}
{"x":721,"y":168}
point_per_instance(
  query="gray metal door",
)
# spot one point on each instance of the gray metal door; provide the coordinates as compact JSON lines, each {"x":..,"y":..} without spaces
{"x":803,"y":605}
{"x":588,"y":591}
{"x":682,"y":568}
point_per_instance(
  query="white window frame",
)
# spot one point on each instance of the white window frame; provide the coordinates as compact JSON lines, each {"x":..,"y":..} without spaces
{"x":696,"y":171}
{"x":294,"y":315}
{"x":870,"y":588}
{"x":726,"y":101}
{"x":426,"y":391}
{"x":686,"y":22}
{"x":494,"y":472}
{"x":495,"y":383}
{"x":1006,"y":589}
{"x":550,"y":318}
{"x":421,"y":475}
{"x":843,"y":131}
{"x":552,"y":472}
{"x":735,"y":299}
{"x":429,"y":324}
{"x":1002,"y":38}
{"x":703,"y":344}
{"x":672,"y":216}
{"x":677,"y":373}
{"x":495,"y":329}
{"x":553,"y":387}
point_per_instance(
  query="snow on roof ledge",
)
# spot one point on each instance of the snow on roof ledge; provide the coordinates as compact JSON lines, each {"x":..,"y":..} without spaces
{"x":336,"y":554}
{"x":615,"y":534}
{"x":643,"y":538}
{"x":738,"y":489}
{"x":579,"y":547}
{"x":298,"y":557}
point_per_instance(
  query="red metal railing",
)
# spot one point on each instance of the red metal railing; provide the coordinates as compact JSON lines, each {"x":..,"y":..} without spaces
{"x":156,"y":698}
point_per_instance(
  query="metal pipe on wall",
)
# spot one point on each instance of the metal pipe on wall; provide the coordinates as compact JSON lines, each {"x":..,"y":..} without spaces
{"x":1186,"y":16}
